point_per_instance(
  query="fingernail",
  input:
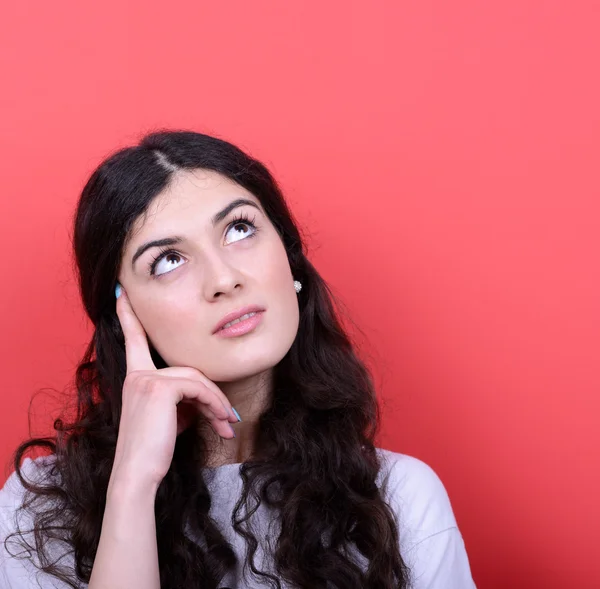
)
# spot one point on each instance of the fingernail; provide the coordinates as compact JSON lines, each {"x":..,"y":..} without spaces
{"x":232,"y":430}
{"x":118,"y":290}
{"x":236,"y":414}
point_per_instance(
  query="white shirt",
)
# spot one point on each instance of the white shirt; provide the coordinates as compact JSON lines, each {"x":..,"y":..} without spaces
{"x":430,"y":541}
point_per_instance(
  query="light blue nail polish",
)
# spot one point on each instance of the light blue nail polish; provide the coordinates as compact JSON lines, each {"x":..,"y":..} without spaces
{"x":118,"y":290}
{"x":236,"y":414}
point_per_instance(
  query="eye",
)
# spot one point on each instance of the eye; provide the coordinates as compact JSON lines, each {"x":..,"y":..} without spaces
{"x":170,"y":258}
{"x":236,"y":227}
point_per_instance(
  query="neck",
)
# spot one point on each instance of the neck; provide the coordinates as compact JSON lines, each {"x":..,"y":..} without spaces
{"x":250,"y":397}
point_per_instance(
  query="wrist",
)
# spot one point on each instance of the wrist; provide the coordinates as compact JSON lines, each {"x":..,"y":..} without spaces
{"x":128,"y":488}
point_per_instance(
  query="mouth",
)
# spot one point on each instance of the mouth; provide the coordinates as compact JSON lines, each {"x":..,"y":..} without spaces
{"x":244,"y":324}
{"x":238,"y":317}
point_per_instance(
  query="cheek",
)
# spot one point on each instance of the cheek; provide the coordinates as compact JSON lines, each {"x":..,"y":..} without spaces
{"x":165,"y":322}
{"x":274,"y":279}
{"x":282,"y":296}
{"x":275,"y":267}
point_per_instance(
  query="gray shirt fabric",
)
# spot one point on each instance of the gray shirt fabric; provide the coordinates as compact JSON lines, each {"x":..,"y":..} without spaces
{"x":430,"y":542}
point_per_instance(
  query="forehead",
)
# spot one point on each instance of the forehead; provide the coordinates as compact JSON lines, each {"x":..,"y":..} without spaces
{"x":192,"y":197}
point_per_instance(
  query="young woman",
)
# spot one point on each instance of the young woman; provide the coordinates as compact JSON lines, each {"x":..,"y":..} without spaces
{"x":218,"y":313}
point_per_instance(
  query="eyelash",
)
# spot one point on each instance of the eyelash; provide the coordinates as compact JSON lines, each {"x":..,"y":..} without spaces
{"x":241,"y":218}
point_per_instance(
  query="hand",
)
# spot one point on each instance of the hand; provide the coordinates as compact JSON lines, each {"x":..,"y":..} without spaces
{"x":153,"y":415}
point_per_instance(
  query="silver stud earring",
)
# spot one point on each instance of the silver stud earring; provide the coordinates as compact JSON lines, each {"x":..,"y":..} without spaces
{"x":297,"y":286}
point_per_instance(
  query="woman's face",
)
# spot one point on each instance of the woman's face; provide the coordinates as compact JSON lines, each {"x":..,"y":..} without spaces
{"x":213,"y":270}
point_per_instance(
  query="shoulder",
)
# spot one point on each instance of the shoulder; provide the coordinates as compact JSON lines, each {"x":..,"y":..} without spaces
{"x":430,"y":540}
{"x":13,"y":492}
{"x":19,"y":562}
{"x":416,"y":494}
{"x":33,"y":471}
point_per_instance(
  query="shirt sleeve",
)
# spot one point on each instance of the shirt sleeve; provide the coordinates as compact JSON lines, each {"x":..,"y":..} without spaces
{"x":17,"y":571}
{"x":441,"y":562}
{"x":431,"y":543}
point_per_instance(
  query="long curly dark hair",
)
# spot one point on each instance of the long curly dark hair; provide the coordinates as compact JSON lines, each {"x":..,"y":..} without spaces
{"x":315,"y":460}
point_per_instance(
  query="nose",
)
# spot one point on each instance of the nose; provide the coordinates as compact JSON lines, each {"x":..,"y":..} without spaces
{"x":220,"y":276}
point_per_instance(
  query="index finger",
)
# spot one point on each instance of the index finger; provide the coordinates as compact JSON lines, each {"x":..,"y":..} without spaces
{"x":137,"y":351}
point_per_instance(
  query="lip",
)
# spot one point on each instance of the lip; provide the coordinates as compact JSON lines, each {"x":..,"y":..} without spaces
{"x":236,"y":315}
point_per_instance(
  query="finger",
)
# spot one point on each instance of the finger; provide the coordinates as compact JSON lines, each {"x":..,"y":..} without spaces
{"x":193,"y":390}
{"x":217,"y":391}
{"x":137,"y":351}
{"x":195,"y":374}
{"x":188,"y":409}
{"x":222,"y":427}
{"x":191,"y":407}
{"x":188,"y":412}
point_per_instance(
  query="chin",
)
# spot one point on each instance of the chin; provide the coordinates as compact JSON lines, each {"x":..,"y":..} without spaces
{"x":233,"y":373}
{"x":244,"y":364}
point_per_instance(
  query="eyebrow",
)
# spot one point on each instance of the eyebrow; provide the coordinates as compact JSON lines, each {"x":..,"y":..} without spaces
{"x":175,"y":239}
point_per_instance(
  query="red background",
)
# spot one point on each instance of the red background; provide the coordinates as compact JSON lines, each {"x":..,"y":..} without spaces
{"x":443,"y":157}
